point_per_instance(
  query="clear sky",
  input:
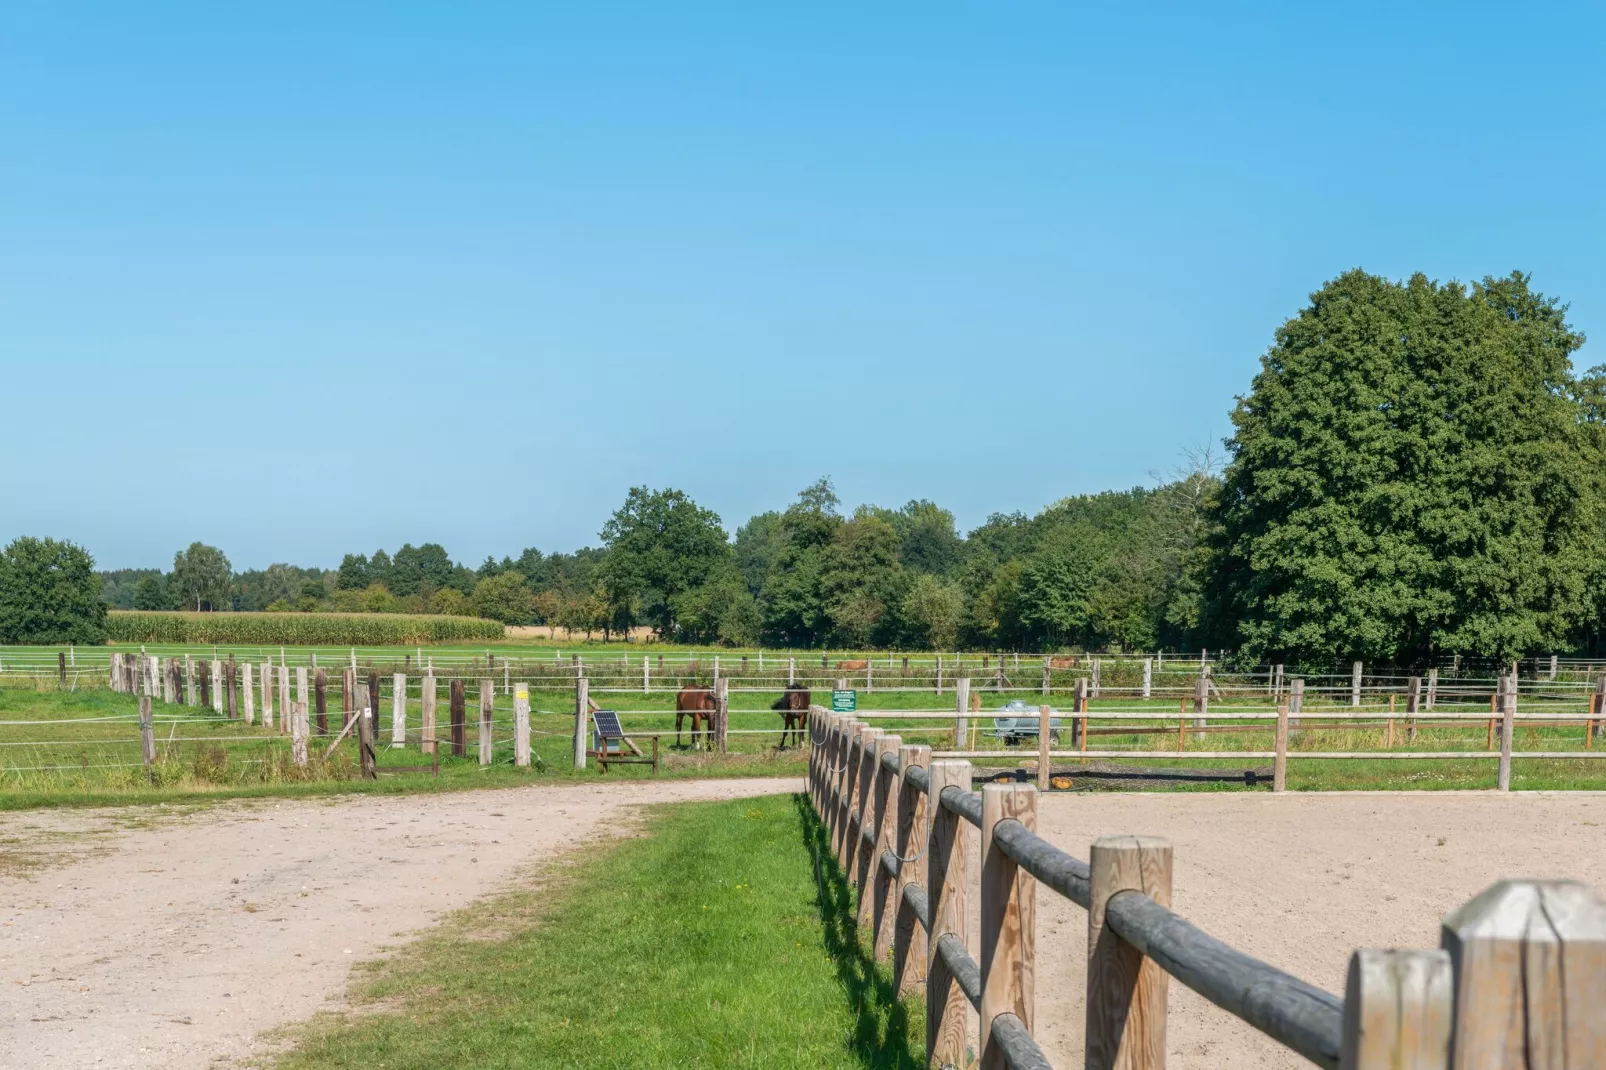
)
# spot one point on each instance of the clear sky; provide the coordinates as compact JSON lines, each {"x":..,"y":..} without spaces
{"x":316,"y":277}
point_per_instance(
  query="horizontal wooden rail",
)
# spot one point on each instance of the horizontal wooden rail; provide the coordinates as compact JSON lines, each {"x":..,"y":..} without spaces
{"x":1398,"y":1013}
{"x":1283,"y":1007}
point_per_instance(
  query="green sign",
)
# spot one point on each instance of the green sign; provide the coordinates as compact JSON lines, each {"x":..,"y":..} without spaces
{"x":844,"y":701}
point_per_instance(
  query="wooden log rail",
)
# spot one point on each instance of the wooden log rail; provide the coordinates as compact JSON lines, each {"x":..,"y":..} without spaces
{"x":1519,"y":981}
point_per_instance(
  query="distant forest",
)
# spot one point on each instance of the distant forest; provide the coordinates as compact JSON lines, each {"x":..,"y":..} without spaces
{"x":1416,"y":471}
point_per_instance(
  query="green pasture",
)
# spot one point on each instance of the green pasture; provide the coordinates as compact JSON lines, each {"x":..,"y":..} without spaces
{"x":724,"y":937}
{"x":81,"y":745}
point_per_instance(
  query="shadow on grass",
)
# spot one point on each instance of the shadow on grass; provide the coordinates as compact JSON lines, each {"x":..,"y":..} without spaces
{"x":881,"y":1036}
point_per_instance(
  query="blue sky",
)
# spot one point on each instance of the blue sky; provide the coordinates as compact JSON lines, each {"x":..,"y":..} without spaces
{"x":316,"y":278}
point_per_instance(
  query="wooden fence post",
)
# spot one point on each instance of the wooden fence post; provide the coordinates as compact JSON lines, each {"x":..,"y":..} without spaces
{"x":582,"y":712}
{"x":398,"y":710}
{"x":215,"y":682}
{"x":1355,"y":684}
{"x":248,"y":693}
{"x":883,"y":885}
{"x":1079,"y":722}
{"x":1529,"y":959}
{"x":301,"y":688}
{"x":366,"y":758}
{"x":1433,"y":687}
{"x":232,"y":684}
{"x":1201,"y":702}
{"x":61,"y":669}
{"x":863,"y":818}
{"x":1047,"y":675}
{"x":962,"y":709}
{"x":1413,"y":705}
{"x":1296,"y":700}
{"x":192,"y":695}
{"x":1397,"y":1011}
{"x":848,"y":764}
{"x":722,"y":714}
{"x":286,"y":714}
{"x":114,"y":673}
{"x":298,"y":735}
{"x":1126,"y":991}
{"x":487,"y":708}
{"x":948,"y":1010}
{"x":1148,"y":677}
{"x":1600,"y":709}
{"x":320,"y":699}
{"x":521,"y":726}
{"x":266,"y":669}
{"x":1093,"y":681}
{"x":428,"y":695}
{"x":147,"y":732}
{"x":1508,"y":728}
{"x":1008,"y":919}
{"x":646,"y":676}
{"x":173,"y":686}
{"x":1279,"y":774}
{"x":1045,"y":734}
{"x":909,"y":843}
{"x":459,"y":714}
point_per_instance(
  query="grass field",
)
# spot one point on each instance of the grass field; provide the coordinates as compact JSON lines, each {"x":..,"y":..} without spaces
{"x":81,"y":746}
{"x":705,"y":943}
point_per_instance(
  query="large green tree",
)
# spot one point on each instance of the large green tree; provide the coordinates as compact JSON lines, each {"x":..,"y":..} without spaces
{"x":504,"y":597}
{"x":792,"y":600}
{"x":1409,"y":475}
{"x":49,"y":593}
{"x":659,"y":545}
{"x":201,"y":577}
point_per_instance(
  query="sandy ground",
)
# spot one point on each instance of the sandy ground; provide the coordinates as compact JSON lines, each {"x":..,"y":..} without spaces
{"x":172,"y":941}
{"x":1300,"y":881}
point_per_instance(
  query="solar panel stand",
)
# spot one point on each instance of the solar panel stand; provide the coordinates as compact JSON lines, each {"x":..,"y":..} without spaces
{"x":606,"y":728}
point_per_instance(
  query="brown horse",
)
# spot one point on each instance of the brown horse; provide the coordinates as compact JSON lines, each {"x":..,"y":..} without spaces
{"x":794,"y":707}
{"x":697,"y":702}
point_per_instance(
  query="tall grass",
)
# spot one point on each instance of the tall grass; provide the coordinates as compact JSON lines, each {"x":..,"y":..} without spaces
{"x":284,"y":629}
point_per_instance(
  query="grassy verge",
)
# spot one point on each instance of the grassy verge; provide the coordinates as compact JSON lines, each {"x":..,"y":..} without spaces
{"x":706,"y":943}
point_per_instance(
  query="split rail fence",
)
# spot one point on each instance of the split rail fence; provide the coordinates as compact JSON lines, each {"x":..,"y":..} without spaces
{"x":1519,"y":979}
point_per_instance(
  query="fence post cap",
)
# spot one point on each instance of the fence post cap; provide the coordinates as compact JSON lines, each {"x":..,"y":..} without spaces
{"x":1131,"y":841}
{"x":1529,"y":910}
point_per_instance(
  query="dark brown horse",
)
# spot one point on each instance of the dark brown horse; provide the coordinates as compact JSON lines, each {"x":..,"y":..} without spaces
{"x":794,"y":707}
{"x":697,"y":702}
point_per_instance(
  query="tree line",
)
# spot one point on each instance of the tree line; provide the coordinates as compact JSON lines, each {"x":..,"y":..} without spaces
{"x":1416,"y":471}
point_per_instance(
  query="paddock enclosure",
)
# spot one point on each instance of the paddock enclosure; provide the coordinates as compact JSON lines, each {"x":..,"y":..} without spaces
{"x":1458,"y":725}
{"x":1518,"y":979}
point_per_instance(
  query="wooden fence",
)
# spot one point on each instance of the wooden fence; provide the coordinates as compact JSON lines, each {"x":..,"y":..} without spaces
{"x":229,"y":689}
{"x":1518,"y":981}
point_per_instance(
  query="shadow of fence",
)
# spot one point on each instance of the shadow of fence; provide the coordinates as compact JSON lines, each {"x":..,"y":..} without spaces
{"x":885,"y":1033}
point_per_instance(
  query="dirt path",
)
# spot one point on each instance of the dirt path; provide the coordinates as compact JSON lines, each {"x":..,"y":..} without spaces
{"x":174,"y":944}
{"x":1301,"y":881}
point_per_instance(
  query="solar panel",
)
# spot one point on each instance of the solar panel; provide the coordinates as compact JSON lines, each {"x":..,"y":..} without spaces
{"x":607,"y":722}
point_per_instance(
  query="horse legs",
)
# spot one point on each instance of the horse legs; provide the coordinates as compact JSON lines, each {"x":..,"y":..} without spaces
{"x":680,"y":716}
